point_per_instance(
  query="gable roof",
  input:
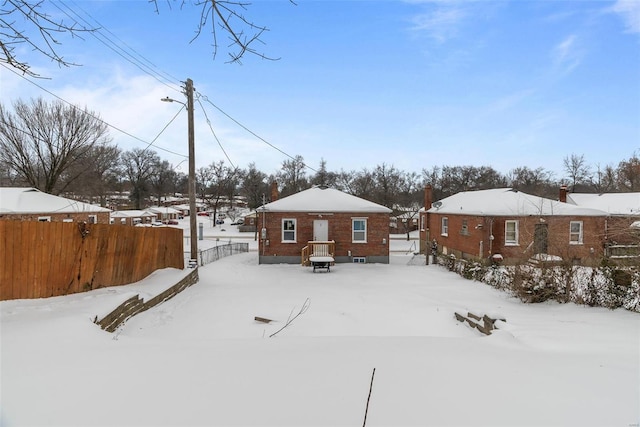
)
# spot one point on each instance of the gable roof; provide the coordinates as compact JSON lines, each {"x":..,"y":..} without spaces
{"x":319,"y":199}
{"x":612,"y":203}
{"x":26,"y":200}
{"x":507,"y":202}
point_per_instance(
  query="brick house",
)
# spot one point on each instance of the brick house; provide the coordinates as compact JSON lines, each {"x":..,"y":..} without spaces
{"x":622,"y":229}
{"x":507,"y":224}
{"x":133,"y":217}
{"x":31,"y":204}
{"x":359,"y":228}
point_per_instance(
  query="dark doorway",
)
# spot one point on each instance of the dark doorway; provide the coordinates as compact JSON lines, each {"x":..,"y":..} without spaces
{"x":541,"y":239}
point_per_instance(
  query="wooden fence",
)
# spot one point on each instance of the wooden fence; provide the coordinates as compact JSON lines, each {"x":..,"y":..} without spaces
{"x":135,"y":304}
{"x":45,"y":259}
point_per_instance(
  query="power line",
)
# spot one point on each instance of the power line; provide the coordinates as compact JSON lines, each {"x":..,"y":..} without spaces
{"x":252,"y":132}
{"x":146,"y":66}
{"x":116,"y":48}
{"x":96,"y":117}
{"x":214,"y":134}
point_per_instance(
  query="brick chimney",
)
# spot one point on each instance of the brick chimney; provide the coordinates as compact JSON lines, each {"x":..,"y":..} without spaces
{"x":428,"y":197}
{"x":274,"y":191}
{"x":563,"y":194}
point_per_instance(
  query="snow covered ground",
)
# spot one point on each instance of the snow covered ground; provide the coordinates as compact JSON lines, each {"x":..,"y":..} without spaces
{"x":201,"y":359}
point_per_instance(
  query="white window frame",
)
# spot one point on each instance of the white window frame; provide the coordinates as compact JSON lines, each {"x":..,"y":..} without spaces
{"x":44,"y":219}
{"x":289,"y":235}
{"x":359,"y":260}
{"x":444,"y":226}
{"x":94,"y":218}
{"x":356,"y":238}
{"x":576,"y":238}
{"x":516,"y":238}
{"x":67,"y":220}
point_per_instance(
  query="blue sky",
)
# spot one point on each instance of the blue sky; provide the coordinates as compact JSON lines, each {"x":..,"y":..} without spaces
{"x":413,"y":84}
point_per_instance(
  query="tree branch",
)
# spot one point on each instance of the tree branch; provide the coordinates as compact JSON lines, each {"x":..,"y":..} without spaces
{"x":290,"y":320}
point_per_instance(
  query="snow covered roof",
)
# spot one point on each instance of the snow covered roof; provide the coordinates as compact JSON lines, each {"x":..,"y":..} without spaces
{"x":26,"y":200}
{"x":318,"y":199}
{"x":164,"y":210}
{"x":132,"y":214}
{"x":507,"y":202}
{"x":612,"y":203}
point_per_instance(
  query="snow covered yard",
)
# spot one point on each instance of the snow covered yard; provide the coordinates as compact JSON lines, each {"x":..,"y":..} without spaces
{"x":201,"y":358}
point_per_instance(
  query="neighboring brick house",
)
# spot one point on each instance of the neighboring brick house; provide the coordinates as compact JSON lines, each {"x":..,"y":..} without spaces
{"x":508,"y":224}
{"x":360,"y":228}
{"x":622,"y":229}
{"x":31,"y":204}
{"x":165,"y":213}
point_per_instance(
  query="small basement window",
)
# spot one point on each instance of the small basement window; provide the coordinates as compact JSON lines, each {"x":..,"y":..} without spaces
{"x":359,"y":260}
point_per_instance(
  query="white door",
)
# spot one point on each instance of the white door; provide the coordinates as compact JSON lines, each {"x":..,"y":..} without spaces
{"x":320,"y":229}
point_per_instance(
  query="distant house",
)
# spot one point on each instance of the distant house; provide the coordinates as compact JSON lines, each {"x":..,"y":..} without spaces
{"x":508,"y":224}
{"x":133,"y":217}
{"x":165,"y":213}
{"x":357,"y":229}
{"x":31,"y":204}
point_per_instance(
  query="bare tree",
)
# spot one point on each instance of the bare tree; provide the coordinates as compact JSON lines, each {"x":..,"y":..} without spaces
{"x":98,"y":174}
{"x":323,"y":177}
{"x":388,"y":187}
{"x":227,"y":16}
{"x":533,"y":181}
{"x":44,"y":143}
{"x":292,"y":176}
{"x":162,"y":180}
{"x":254,"y":186}
{"x":577,"y":169}
{"x":19,"y":19}
{"x":221,"y":180}
{"x":140,"y":165}
{"x":629,"y":174}
{"x":604,"y":179}
{"x":359,"y":184}
{"x":26,"y":23}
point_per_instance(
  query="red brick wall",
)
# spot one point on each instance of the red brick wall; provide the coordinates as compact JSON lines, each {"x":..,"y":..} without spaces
{"x":479,"y":229}
{"x":339,"y":230}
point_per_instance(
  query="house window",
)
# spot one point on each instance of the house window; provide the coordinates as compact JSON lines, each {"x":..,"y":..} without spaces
{"x":289,"y":230}
{"x":359,"y":230}
{"x":575,"y":232}
{"x":465,"y":227}
{"x":359,"y":260}
{"x":444,"y":226}
{"x":422,"y":220}
{"x":44,"y":219}
{"x":511,"y":232}
{"x":93,"y":219}
{"x":67,"y":220}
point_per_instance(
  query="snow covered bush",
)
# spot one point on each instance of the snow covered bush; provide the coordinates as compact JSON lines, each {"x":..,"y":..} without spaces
{"x":607,"y":286}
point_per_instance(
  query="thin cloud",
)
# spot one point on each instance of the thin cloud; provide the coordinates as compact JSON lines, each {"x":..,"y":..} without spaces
{"x":442,"y":22}
{"x":629,"y":10}
{"x":567,"y":54}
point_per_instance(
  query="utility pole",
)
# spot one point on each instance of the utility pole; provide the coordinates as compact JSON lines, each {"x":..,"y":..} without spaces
{"x":192,"y":172}
{"x":193,"y":235}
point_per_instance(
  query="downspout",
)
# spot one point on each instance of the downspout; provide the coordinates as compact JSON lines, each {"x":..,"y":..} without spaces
{"x":491,"y":237}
